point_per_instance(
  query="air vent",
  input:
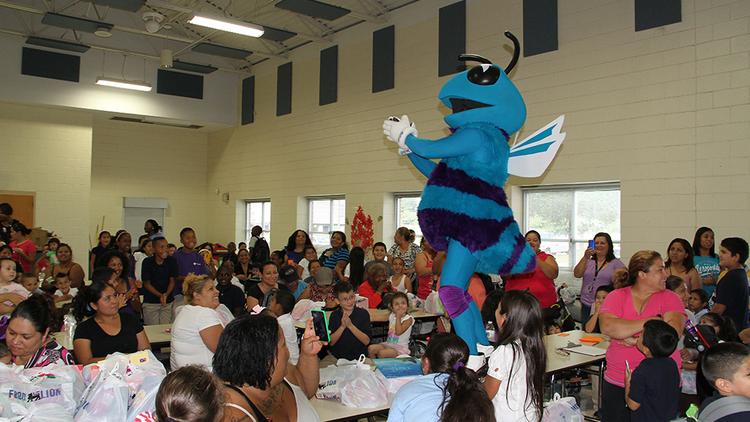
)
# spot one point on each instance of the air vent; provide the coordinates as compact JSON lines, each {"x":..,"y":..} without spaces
{"x":220,"y":50}
{"x":312,"y":8}
{"x":72,"y":22}
{"x":193,"y":67}
{"x":156,"y":121}
{"x":275,"y":34}
{"x":57,"y":44}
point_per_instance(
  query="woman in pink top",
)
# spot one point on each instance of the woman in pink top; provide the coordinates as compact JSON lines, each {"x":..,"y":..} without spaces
{"x":622,"y":316}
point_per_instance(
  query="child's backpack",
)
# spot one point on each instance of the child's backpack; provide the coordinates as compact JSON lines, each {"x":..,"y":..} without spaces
{"x":725,"y":406}
{"x":261,"y":251}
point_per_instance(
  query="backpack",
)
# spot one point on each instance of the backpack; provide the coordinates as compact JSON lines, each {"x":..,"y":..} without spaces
{"x":261,"y":251}
{"x":723,"y":407}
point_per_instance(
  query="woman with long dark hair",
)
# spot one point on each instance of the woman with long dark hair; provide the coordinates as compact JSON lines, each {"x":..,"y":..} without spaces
{"x":706,"y":260}
{"x":295,"y":246}
{"x":515,"y":373}
{"x":680,"y":263}
{"x":102,"y":329}
{"x":596,"y":267}
{"x":448,"y":392}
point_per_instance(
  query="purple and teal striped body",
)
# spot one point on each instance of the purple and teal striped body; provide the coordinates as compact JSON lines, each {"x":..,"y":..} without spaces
{"x":464,"y":201}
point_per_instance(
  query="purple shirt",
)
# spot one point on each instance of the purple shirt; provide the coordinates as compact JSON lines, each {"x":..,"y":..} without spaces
{"x":592,"y":280}
{"x":188,"y":262}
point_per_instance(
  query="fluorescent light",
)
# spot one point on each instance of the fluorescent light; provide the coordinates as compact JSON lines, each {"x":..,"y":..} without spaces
{"x":236,"y":27}
{"x":118,"y":83}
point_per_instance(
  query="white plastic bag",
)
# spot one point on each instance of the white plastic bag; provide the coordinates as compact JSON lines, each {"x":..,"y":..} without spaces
{"x":564,"y":409}
{"x":328,"y":387}
{"x":144,"y":399}
{"x":106,"y":397}
{"x":45,"y":412}
{"x":59,"y":385}
{"x":433,"y":304}
{"x":362,"y":387}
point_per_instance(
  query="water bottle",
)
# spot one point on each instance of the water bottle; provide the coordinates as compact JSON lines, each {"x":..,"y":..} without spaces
{"x":69,"y":325}
{"x":489,"y":328}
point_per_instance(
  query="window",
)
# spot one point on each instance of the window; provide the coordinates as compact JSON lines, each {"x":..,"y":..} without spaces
{"x":258,"y":213}
{"x":326,"y":215}
{"x":406,"y":214}
{"x":567,"y":217}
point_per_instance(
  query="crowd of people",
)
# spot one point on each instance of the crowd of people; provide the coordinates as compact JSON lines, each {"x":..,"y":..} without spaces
{"x":232,"y":332}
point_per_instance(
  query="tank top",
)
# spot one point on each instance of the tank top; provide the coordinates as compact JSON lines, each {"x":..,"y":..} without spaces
{"x":305,"y":411}
{"x":424,"y":286}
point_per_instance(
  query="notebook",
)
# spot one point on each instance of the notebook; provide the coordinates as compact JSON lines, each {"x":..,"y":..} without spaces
{"x":587,"y":350}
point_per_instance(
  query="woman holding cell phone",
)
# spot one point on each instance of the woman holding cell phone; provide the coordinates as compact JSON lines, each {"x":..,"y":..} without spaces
{"x":596,"y":267}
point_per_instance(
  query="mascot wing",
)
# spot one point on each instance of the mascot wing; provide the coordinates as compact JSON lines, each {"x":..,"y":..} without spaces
{"x":532,"y":156}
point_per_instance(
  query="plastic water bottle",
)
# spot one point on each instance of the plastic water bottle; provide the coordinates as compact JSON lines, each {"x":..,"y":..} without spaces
{"x":490,"y":329}
{"x":69,"y":325}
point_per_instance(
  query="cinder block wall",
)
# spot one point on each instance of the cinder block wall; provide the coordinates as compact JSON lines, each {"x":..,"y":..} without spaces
{"x":664,"y":111}
{"x":49,"y":154}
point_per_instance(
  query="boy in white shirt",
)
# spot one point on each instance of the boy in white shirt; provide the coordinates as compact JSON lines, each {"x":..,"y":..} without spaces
{"x":64,"y":292}
{"x":281,"y":304}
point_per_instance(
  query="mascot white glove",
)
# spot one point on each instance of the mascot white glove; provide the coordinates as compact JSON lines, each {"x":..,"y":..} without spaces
{"x":397,"y":129}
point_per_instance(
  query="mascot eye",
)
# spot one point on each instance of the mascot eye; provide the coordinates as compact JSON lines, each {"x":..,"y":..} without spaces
{"x":484,"y":74}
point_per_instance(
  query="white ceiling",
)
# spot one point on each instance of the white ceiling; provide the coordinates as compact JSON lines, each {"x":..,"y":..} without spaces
{"x":24,"y":18}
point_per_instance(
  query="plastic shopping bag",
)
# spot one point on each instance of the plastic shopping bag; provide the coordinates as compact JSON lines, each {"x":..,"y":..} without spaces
{"x":328,"y":387}
{"x":24,"y":389}
{"x":362,"y":387}
{"x":106,"y":397}
{"x":564,"y":409}
{"x":44,"y":412}
{"x":433,"y":304}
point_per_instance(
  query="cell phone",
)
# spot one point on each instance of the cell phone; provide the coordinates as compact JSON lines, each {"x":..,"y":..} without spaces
{"x":320,"y":324}
{"x":592,"y":244}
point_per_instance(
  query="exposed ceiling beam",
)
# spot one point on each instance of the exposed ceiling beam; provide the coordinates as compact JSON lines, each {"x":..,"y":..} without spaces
{"x":150,"y":57}
{"x":135,"y":30}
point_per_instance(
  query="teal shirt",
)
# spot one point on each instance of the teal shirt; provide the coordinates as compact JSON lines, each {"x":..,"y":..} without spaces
{"x":707,"y":266}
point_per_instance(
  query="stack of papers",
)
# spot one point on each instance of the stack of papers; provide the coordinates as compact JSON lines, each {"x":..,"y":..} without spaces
{"x":587,"y":350}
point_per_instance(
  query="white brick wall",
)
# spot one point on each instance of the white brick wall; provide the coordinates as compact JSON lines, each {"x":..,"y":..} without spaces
{"x":665,"y":111}
{"x":136,"y":160}
{"x":49,"y":154}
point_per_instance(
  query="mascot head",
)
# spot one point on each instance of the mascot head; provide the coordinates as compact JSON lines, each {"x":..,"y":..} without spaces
{"x":485,"y":94}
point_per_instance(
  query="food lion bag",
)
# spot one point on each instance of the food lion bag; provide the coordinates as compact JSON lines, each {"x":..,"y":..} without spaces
{"x":106,"y":396}
{"x":54,"y":389}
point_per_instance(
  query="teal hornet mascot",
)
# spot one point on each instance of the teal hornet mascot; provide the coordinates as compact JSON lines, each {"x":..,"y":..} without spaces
{"x":464,"y":210}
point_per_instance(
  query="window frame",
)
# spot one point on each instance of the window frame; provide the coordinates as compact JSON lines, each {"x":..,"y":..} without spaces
{"x":571,"y":240}
{"x":397,"y":197}
{"x":331,"y":199}
{"x":248,"y":227}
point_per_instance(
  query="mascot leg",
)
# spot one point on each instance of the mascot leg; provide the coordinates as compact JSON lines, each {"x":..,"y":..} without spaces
{"x":454,"y":280}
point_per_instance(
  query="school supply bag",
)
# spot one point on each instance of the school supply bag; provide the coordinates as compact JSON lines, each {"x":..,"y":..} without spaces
{"x":564,"y":409}
{"x":57,"y":387}
{"x":362,"y":387}
{"x":106,"y":396}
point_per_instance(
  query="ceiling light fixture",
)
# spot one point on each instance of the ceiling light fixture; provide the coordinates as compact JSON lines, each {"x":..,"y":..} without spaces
{"x":121,"y":83}
{"x":234,"y":26}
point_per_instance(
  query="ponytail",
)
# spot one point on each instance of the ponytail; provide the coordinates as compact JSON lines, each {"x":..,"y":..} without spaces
{"x":464,"y":397}
{"x":468,"y":399}
{"x":82,"y":302}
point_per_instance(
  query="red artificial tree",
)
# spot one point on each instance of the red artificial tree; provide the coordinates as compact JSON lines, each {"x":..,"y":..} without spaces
{"x":362,"y":234}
